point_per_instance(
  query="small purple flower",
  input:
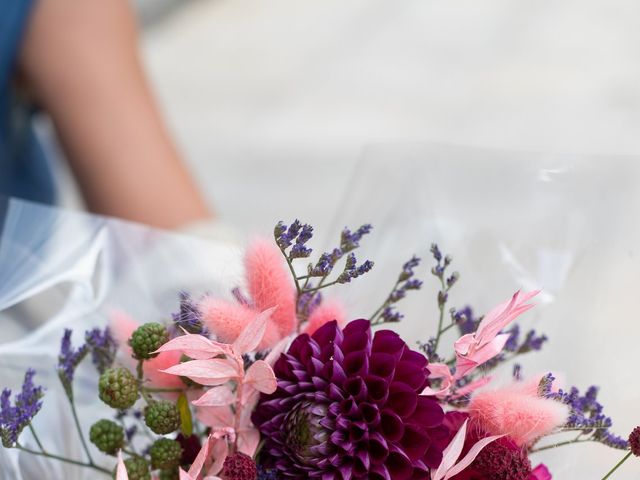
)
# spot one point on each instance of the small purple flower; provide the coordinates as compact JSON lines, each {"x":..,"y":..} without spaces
{"x":68,"y":360}
{"x":465,"y":320}
{"x":103,"y":348}
{"x":189,"y":317}
{"x":587,"y":415}
{"x":14,"y":418}
{"x":352,"y":270}
{"x":351,"y":240}
{"x":296,"y":232}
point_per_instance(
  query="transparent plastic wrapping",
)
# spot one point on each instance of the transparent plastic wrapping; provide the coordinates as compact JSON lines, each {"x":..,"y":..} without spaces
{"x":60,"y":270}
{"x":568,"y":225}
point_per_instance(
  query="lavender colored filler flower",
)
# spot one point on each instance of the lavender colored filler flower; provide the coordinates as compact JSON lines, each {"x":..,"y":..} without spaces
{"x":14,"y":418}
{"x":348,"y":405}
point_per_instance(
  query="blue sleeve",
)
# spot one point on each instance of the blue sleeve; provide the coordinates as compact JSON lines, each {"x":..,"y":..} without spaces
{"x":13,"y":20}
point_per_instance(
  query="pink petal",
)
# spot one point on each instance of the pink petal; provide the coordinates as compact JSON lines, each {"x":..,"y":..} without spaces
{"x":215,"y":371}
{"x":478,"y":356}
{"x":154,"y":370}
{"x":451,"y":453}
{"x":121,"y":470}
{"x":261,"y":377}
{"x":472,"y":386}
{"x":201,"y":458}
{"x":197,"y":347}
{"x":541,"y":472}
{"x":185,"y":476}
{"x":219,"y":453}
{"x":248,"y":440}
{"x":327,"y":311}
{"x":498,"y":318}
{"x":215,"y":417}
{"x":251,"y":336}
{"x":269,"y":283}
{"x":277,"y":350}
{"x":471,"y":456}
{"x":439,"y":370}
{"x":216,"y":397}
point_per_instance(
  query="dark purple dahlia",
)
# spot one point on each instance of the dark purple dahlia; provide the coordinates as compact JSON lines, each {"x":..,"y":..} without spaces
{"x":348,"y":406}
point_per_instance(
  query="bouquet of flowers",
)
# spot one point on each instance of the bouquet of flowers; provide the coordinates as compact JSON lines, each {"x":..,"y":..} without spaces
{"x":281,"y":383}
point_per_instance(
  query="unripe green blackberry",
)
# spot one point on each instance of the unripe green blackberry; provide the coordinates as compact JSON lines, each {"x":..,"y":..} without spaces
{"x":162,"y":417}
{"x":147,"y":339}
{"x":165,"y":454}
{"x":118,"y":388}
{"x":137,"y":469}
{"x":108,"y":436}
{"x":172,"y":474}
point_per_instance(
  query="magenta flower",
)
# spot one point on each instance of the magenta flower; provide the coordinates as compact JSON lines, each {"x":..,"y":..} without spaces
{"x":348,"y":406}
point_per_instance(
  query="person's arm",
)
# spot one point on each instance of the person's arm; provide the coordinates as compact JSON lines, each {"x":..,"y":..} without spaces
{"x":80,"y":57}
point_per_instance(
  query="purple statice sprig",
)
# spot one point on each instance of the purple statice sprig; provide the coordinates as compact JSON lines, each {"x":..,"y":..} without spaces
{"x":292,"y":241}
{"x":447,"y":281}
{"x":387,"y":312}
{"x":586,"y":414}
{"x":68,"y":360}
{"x":14,"y":418}
{"x":103,"y":348}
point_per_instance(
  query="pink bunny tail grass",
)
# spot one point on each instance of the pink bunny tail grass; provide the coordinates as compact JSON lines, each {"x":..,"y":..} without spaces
{"x":270,"y":283}
{"x":513,"y":412}
{"x":158,"y":379}
{"x":226,"y":320}
{"x":122,"y":326}
{"x":325,"y":312}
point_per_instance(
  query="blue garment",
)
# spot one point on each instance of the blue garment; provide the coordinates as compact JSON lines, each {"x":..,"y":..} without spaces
{"x":24,"y":170}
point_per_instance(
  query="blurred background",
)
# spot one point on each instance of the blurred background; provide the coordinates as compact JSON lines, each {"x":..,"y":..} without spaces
{"x":276,"y":100}
{"x":342,"y":112}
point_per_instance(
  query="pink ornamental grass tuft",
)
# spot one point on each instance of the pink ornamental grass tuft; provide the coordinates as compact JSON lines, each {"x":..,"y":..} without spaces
{"x":270,"y":284}
{"x":326,"y":312}
{"x":517,"y":412}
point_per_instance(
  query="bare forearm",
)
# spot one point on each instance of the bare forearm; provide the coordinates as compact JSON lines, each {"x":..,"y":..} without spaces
{"x":81,"y":59}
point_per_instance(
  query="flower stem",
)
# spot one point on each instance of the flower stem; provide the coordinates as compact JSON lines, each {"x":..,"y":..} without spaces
{"x":77,"y":422}
{"x":441,"y":306}
{"x":559,"y":444}
{"x":33,"y":432}
{"x":624,"y":459}
{"x":63,"y":459}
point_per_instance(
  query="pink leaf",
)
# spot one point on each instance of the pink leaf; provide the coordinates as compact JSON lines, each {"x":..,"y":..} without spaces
{"x":197,"y":347}
{"x":215,"y":417}
{"x":216,"y":397}
{"x":215,"y":371}
{"x":251,"y":336}
{"x":471,"y":456}
{"x":439,"y":370}
{"x":202,"y":456}
{"x":277,"y":350}
{"x":121,"y":470}
{"x":219,"y":453}
{"x":248,"y":440}
{"x":261,"y":377}
{"x":451,"y":453}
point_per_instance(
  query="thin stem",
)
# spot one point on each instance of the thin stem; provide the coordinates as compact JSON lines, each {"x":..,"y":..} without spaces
{"x":320,"y":286}
{"x":624,"y":459}
{"x":441,"y":318}
{"x":293,"y":272}
{"x":162,"y":390}
{"x":77,"y":422}
{"x":385,"y":304}
{"x":63,"y":459}
{"x":559,"y":444}
{"x":33,"y":432}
